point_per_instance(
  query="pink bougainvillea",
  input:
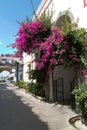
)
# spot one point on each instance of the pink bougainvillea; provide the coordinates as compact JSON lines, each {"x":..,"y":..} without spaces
{"x":51,"y":46}
{"x":30,"y":35}
{"x":49,"y":50}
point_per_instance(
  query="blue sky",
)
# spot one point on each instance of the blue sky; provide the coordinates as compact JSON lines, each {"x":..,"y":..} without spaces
{"x":10,"y":12}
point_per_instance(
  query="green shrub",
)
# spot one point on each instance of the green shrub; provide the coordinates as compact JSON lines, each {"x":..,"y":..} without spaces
{"x":81,"y":100}
{"x":22,"y":84}
{"x":36,"y":89}
{"x":39,"y":75}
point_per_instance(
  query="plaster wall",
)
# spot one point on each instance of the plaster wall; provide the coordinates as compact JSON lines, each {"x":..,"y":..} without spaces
{"x":27,"y":59}
{"x":68,"y":75}
{"x":77,"y":12}
{"x":76,"y":7}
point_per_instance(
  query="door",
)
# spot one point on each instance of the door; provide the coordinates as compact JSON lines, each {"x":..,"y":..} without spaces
{"x":58,"y":90}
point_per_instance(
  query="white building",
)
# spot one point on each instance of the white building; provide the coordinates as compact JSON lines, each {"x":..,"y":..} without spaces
{"x":77,"y":9}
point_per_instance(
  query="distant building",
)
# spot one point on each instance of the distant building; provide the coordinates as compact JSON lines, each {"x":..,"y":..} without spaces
{"x":15,"y":67}
{"x":14,"y":72}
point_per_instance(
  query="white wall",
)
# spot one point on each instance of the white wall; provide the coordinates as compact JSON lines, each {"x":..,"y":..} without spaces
{"x":76,"y":11}
{"x":68,"y":75}
{"x":76,"y":7}
{"x":59,"y":6}
{"x":27,"y":59}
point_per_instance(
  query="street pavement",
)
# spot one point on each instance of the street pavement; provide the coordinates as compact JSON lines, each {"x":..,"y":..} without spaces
{"x":21,"y":111}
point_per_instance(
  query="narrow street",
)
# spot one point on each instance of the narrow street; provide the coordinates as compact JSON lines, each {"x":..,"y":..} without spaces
{"x":14,"y":114}
{"x":21,"y":111}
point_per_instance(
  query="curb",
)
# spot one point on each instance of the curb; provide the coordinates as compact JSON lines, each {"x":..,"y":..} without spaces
{"x":37,"y":97}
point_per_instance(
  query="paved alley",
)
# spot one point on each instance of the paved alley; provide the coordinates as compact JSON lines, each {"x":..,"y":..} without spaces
{"x":21,"y":111}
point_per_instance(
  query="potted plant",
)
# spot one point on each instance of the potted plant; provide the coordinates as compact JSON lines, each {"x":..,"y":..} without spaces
{"x":81,"y":102}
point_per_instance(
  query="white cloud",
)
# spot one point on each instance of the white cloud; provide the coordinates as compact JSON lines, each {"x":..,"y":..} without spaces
{"x":0,"y":43}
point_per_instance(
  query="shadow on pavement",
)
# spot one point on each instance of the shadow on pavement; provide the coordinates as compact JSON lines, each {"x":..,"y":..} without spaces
{"x":14,"y":115}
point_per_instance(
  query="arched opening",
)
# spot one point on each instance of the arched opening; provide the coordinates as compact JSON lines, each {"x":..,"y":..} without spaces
{"x":61,"y":17}
{"x":4,"y":74}
{"x":12,"y":64}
